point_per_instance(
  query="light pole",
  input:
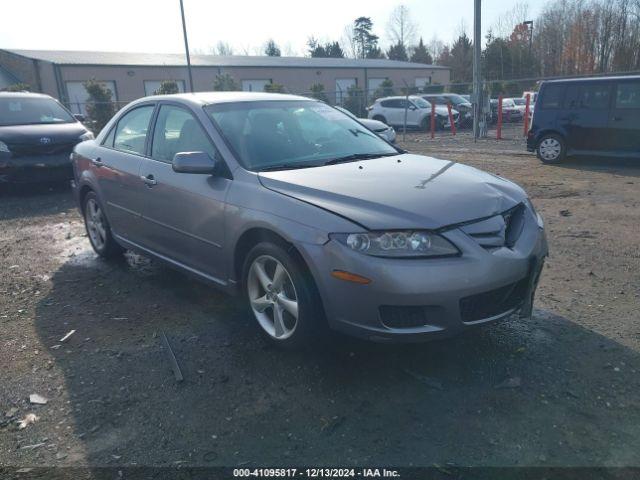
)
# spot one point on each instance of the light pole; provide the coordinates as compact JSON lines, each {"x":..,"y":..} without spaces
{"x":186,"y":47}
{"x":478,"y":117}
{"x":529,"y":24}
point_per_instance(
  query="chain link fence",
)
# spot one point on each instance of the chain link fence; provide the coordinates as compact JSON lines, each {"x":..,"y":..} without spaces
{"x":358,"y":100}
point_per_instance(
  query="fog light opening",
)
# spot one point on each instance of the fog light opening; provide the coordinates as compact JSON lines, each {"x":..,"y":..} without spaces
{"x":350,"y":277}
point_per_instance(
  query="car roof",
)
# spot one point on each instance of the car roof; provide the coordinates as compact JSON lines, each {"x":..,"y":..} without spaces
{"x":210,"y":98}
{"x":23,"y":95}
{"x":593,"y":79}
{"x":396,"y":97}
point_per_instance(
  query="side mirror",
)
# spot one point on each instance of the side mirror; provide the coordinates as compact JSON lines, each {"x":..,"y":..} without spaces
{"x":80,"y":117}
{"x":412,"y":107}
{"x":193,"y":162}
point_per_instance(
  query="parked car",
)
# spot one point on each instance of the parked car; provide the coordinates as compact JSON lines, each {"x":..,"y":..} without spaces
{"x":458,"y":102}
{"x":316,"y":220}
{"x":37,"y":135}
{"x":391,"y":110}
{"x":586,"y":116}
{"x":521,"y":104}
{"x":510,"y":112}
{"x":381,"y":129}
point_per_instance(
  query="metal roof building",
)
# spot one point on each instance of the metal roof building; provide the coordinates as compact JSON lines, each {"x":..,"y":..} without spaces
{"x":133,"y":75}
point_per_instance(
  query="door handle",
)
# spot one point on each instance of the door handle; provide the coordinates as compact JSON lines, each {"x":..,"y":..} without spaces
{"x":149,"y":180}
{"x":97,"y":162}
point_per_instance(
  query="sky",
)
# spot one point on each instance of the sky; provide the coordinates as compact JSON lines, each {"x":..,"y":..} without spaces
{"x":154,"y":25}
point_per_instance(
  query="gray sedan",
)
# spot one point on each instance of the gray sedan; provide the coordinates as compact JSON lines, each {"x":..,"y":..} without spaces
{"x":314,"y":219}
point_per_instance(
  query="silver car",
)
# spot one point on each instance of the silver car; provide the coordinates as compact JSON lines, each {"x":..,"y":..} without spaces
{"x":314,"y":219}
{"x":382,"y":129}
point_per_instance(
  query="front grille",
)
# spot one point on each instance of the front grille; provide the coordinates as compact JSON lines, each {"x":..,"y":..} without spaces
{"x":494,"y":302}
{"x":409,"y":316}
{"x":30,"y":149}
{"x":501,"y":230}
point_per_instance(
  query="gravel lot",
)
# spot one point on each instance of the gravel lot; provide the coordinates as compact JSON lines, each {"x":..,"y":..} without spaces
{"x":560,"y":389}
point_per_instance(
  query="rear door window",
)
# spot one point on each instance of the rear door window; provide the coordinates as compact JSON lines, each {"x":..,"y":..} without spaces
{"x":552,"y":96}
{"x":628,"y":95}
{"x":590,"y":96}
{"x":132,"y":129}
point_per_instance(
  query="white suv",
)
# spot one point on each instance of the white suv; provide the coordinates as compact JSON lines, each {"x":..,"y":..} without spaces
{"x":391,"y":110}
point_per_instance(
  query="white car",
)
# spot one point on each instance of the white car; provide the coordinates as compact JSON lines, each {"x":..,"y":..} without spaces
{"x":379,"y":128}
{"x":391,"y":110}
{"x":521,"y":104}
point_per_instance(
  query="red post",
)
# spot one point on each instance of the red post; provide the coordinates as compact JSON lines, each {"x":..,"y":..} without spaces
{"x":433,"y":119}
{"x":526,"y":114}
{"x":499,"y":127}
{"x":451,"y":122}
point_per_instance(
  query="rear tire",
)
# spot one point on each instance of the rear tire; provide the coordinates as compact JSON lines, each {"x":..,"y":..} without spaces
{"x":551,"y":149}
{"x":98,"y":229}
{"x":282,"y":297}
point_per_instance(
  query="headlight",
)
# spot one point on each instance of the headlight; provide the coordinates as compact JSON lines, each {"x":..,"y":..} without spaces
{"x":4,"y":148}
{"x":86,"y":136}
{"x":535,"y":214}
{"x":398,"y":244}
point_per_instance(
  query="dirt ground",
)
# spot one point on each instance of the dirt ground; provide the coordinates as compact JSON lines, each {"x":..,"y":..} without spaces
{"x":561,"y":389}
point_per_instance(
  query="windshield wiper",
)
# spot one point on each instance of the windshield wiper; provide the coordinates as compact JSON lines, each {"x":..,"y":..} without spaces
{"x":285,"y":166}
{"x":358,"y":156}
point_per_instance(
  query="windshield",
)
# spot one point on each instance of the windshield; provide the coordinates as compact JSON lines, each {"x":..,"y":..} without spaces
{"x":32,"y":111}
{"x":292,"y":134}
{"x":421,"y":103}
{"x":456,"y":99}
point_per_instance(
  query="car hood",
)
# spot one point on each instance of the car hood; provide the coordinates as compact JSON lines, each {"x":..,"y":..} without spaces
{"x":442,"y":110}
{"x":402,"y":191}
{"x":56,"y":133}
{"x":374,"y":125}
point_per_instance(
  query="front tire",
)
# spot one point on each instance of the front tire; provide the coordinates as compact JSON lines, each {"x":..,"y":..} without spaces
{"x":380,"y":118}
{"x":98,"y":229}
{"x":281,"y":296}
{"x":551,"y":149}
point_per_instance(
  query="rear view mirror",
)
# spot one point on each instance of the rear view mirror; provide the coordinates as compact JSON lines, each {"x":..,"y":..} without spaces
{"x":193,"y":162}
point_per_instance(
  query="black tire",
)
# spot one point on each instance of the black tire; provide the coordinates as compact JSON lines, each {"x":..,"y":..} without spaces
{"x":425,"y":124}
{"x":310,"y":325}
{"x":551,"y":149}
{"x":108,"y":247}
{"x":380,"y":118}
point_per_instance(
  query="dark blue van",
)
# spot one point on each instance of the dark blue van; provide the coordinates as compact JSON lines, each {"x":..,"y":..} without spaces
{"x":586,"y":116}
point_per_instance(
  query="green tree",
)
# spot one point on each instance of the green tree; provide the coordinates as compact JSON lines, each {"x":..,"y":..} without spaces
{"x":271,"y":48}
{"x":461,"y":61}
{"x":354,"y":101}
{"x":397,"y":52}
{"x":421,"y":54}
{"x":18,"y":87}
{"x":366,"y":43}
{"x":167,"y":87}
{"x":274,"y":88}
{"x":328,"y":50}
{"x":317,"y":92}
{"x":225,"y":83}
{"x":100,"y":107}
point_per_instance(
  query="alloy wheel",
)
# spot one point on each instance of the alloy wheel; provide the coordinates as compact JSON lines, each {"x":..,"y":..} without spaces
{"x":272,"y":296}
{"x":96,"y":224}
